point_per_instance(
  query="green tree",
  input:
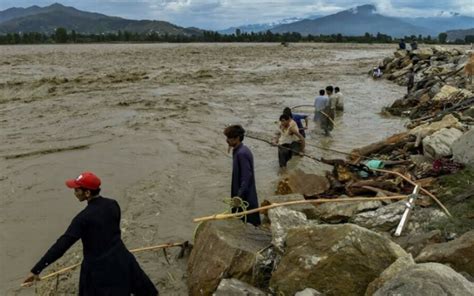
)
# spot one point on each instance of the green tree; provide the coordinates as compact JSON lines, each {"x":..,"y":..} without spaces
{"x":60,"y":35}
{"x":442,"y":37}
{"x":469,"y":38}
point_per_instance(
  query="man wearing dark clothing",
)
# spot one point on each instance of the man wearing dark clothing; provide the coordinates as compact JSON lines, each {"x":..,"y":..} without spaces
{"x":108,"y":268}
{"x":243,"y":176}
{"x":410,"y":80}
{"x":402,"y":45}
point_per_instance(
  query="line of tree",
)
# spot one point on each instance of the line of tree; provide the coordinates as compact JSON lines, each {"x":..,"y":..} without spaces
{"x":61,"y":35}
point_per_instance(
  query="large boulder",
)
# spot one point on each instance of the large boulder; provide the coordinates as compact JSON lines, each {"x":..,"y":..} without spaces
{"x":333,"y":259}
{"x":414,"y":242}
{"x":303,"y":183}
{"x":401,"y":53}
{"x":233,"y":287}
{"x":463,"y":148}
{"x":398,"y":266}
{"x":387,"y":218}
{"x":447,"y":92}
{"x":459,"y":253}
{"x":282,"y":219}
{"x":439,"y":144}
{"x":224,"y":249}
{"x":309,"y":292}
{"x":427,"y":279}
{"x":448,"y":121}
{"x":308,"y":209}
{"x":423,"y":53}
{"x":338,"y":212}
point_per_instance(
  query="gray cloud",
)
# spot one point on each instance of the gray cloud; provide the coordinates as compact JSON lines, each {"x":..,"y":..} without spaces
{"x":218,"y":14}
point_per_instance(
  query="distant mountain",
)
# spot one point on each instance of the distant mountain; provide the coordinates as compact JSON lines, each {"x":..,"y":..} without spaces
{"x":15,"y":12}
{"x":453,"y":35}
{"x":353,"y":22}
{"x":265,"y":26}
{"x":443,"y":22}
{"x":47,"y":19}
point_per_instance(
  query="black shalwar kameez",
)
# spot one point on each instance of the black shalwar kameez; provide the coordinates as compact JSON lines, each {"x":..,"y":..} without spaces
{"x":108,"y":267}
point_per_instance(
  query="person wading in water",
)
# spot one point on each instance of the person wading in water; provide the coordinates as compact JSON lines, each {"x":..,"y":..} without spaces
{"x":108,"y":268}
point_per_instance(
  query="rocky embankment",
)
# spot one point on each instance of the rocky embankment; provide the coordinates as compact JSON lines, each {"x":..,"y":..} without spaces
{"x":352,"y":248}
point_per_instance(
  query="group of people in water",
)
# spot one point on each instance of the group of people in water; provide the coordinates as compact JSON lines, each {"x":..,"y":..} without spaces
{"x":291,"y":134}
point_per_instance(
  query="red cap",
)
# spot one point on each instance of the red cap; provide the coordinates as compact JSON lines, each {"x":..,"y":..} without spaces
{"x":85,"y":180}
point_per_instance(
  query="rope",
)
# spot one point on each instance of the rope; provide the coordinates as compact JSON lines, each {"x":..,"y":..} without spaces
{"x":243,"y":205}
{"x":440,"y":204}
{"x":307,"y":144}
{"x":230,"y":205}
{"x":297,"y":202}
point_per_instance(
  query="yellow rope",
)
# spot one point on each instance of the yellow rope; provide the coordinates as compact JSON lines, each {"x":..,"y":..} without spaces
{"x":230,"y":205}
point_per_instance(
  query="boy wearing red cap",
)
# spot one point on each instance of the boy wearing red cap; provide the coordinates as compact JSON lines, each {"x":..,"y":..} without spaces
{"x":108,"y":268}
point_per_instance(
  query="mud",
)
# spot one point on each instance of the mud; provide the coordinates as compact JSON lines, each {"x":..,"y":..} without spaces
{"x":148,"y":120}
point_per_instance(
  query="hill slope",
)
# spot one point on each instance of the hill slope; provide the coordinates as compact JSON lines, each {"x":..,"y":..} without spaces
{"x":47,"y":19}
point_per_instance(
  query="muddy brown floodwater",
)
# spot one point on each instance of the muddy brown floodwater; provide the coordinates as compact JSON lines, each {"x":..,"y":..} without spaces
{"x":148,"y":119}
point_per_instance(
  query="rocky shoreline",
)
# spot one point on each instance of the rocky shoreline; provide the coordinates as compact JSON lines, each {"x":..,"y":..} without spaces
{"x":351,"y":248}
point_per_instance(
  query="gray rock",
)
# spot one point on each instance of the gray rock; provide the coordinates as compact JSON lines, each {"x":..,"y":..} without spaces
{"x":233,"y":287}
{"x":439,"y":144}
{"x":414,"y":242}
{"x":435,"y":89}
{"x":383,"y":219}
{"x":459,"y":253}
{"x":281,"y":220}
{"x":427,"y":279}
{"x":469,"y":112}
{"x":333,"y":259}
{"x":387,"y":218}
{"x":308,"y":209}
{"x":308,"y":292}
{"x":342,"y":211}
{"x":463,"y":148}
{"x":423,"y":53}
{"x":398,"y":266}
{"x":224,"y":249}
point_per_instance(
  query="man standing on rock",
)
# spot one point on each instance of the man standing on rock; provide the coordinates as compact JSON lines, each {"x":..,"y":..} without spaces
{"x":410,"y":80}
{"x":243,"y":175}
{"x":108,"y":268}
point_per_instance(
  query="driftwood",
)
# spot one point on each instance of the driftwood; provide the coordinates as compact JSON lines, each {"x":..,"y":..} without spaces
{"x":388,"y":144}
{"x":380,"y":191}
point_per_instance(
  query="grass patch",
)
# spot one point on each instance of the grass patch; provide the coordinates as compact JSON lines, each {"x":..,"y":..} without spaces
{"x":456,"y":192}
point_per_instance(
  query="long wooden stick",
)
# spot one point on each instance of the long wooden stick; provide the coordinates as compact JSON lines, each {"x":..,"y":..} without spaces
{"x":415,"y":184}
{"x":163,"y":246}
{"x":296,"y":202}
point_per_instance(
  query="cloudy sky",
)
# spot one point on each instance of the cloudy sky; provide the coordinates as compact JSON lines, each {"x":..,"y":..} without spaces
{"x":220,"y":14}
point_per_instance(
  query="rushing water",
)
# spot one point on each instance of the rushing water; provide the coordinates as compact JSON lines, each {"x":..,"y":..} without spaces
{"x":152,"y":116}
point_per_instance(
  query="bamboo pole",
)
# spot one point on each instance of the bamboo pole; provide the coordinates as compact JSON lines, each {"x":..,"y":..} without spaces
{"x":415,"y":184}
{"x":163,"y":246}
{"x":296,"y":202}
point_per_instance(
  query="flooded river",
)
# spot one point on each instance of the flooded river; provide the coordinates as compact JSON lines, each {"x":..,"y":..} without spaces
{"x":148,"y":120}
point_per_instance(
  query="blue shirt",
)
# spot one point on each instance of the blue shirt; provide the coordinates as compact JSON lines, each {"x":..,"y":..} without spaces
{"x":298,"y":118}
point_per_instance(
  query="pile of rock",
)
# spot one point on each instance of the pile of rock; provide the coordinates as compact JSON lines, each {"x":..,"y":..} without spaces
{"x":440,"y":82}
{"x":300,"y":256}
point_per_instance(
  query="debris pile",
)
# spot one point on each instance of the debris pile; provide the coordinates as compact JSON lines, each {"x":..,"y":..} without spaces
{"x":441,"y":84}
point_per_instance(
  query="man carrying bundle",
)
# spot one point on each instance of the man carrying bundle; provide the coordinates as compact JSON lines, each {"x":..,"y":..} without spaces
{"x":108,"y":268}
